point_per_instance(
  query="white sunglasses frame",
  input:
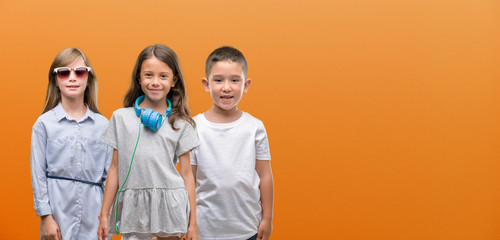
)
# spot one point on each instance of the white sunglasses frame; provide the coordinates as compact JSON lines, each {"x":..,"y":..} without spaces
{"x":72,"y":69}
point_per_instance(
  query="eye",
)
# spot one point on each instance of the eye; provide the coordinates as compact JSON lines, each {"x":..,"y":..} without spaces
{"x":235,"y":80}
{"x":164,"y":76}
{"x":148,"y":75}
{"x":217,"y":80}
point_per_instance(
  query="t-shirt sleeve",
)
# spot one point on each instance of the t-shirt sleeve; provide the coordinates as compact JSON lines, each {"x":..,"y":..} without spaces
{"x":262,"y":144}
{"x":187,"y":141}
{"x":109,"y":136}
{"x":194,"y":159}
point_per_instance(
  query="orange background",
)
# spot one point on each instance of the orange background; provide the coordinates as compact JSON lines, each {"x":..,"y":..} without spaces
{"x":383,"y":116}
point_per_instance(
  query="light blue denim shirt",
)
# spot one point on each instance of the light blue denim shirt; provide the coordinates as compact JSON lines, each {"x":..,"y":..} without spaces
{"x":64,"y":147}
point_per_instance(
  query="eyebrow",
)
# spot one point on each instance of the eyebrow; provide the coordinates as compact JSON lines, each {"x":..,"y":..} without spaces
{"x":152,"y":71}
{"x":231,"y":76}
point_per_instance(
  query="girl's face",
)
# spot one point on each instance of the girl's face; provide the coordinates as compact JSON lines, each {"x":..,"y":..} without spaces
{"x":72,"y":83}
{"x":156,"y":79}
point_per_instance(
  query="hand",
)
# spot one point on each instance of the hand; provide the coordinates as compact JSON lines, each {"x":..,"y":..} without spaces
{"x":265,"y":229}
{"x":102,"y":229}
{"x":192,"y":233}
{"x":50,"y":228}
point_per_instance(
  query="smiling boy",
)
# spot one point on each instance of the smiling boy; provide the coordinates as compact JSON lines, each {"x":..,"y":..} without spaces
{"x":232,"y":164}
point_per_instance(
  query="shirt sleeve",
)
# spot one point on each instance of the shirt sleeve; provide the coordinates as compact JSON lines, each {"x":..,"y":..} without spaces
{"x":262,"y":144}
{"x":38,"y":164}
{"x":187,"y":140}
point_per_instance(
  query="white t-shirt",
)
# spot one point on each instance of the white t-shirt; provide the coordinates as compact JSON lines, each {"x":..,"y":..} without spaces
{"x":227,"y":191}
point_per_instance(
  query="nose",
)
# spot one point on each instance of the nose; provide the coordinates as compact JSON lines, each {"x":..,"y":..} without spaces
{"x":155,"y":81}
{"x":226,"y":87}
{"x":72,"y":75}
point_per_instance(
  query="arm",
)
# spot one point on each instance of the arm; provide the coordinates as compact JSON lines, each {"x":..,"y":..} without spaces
{"x":109,"y":195}
{"x":263,"y":168}
{"x":38,"y":162}
{"x":186,"y":172}
{"x":194,"y":169}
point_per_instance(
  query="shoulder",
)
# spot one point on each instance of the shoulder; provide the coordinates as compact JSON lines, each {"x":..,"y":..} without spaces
{"x":99,"y":121}
{"x":100,"y":117}
{"x":198,"y":118}
{"x":44,"y":119}
{"x":124,"y":113}
{"x":251,"y":120}
{"x":182,"y":124}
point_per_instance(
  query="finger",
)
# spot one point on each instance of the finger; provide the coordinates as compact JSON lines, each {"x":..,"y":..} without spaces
{"x":52,"y":236}
{"x":59,"y":236}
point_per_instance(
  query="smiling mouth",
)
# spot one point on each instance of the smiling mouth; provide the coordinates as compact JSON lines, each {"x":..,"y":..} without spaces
{"x":226,"y":97}
{"x":72,"y":86}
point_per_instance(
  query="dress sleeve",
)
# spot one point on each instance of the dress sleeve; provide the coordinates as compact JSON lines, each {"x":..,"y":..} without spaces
{"x":262,"y":144}
{"x":194,"y":159}
{"x":109,"y":136}
{"x":38,"y":164}
{"x":109,"y":157}
{"x":187,"y":140}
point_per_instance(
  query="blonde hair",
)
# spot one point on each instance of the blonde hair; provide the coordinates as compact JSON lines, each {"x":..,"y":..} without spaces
{"x":177,"y":94}
{"x":64,"y":58}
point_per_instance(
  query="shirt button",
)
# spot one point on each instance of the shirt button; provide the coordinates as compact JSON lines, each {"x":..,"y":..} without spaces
{"x":78,"y":144}
{"x":77,"y":201}
{"x":77,"y":219}
{"x":78,"y":164}
{"x":76,"y":125}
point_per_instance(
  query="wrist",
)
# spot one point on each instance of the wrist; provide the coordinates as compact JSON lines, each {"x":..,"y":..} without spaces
{"x":266,"y":221}
{"x":104,"y":215}
{"x":193,"y":224}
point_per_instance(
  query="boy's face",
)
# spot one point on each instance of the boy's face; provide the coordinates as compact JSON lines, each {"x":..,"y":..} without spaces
{"x":226,"y":84}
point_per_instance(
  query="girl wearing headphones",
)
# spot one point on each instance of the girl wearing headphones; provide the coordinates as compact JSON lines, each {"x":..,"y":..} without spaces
{"x":68,"y":161}
{"x":145,"y":196}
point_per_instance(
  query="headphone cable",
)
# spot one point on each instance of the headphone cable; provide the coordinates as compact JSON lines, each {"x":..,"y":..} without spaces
{"x":129,"y":168}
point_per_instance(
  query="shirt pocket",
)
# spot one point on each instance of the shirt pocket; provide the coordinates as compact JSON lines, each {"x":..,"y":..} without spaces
{"x":59,"y":153}
{"x":95,"y":153}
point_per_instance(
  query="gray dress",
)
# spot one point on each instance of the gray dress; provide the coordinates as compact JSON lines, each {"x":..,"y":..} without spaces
{"x":154,"y":198}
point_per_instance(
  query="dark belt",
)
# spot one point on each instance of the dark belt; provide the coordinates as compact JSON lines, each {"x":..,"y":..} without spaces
{"x":99,"y":184}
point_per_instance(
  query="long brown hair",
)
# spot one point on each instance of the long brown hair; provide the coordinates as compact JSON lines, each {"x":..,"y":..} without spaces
{"x":64,"y":58}
{"x":177,"y":94}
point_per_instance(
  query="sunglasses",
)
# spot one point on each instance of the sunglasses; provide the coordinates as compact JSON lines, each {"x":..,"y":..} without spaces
{"x":64,"y":72}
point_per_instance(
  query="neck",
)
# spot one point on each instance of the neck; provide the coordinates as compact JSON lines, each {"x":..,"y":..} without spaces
{"x":75,"y":108}
{"x":217,"y":115}
{"x":157,"y":106}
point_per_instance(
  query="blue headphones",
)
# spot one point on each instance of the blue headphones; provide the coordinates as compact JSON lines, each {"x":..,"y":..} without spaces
{"x":150,"y":118}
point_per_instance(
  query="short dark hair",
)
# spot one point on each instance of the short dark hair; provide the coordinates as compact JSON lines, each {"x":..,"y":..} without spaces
{"x":225,"y":53}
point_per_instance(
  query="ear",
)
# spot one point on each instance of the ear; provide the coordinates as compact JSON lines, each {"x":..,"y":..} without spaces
{"x":174,"y":81}
{"x":205,"y":84}
{"x":247,"y":85}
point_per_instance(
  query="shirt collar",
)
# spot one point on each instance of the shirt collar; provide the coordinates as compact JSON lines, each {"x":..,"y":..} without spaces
{"x":60,"y":113}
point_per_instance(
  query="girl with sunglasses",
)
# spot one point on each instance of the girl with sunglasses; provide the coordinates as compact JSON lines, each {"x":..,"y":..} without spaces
{"x":147,"y":196}
{"x":68,"y":161}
